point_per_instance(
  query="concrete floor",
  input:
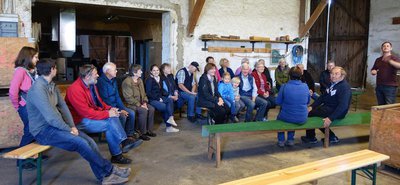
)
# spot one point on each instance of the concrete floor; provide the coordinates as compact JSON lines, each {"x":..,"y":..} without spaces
{"x":181,"y":158}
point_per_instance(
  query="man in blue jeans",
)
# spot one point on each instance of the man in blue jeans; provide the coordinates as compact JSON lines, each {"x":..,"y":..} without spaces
{"x":188,"y":90}
{"x":108,"y":89}
{"x":51,"y":124}
{"x":385,"y":68}
{"x":92,"y":115}
{"x":248,"y":94}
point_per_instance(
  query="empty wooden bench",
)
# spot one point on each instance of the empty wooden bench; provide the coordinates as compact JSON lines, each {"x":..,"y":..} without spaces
{"x":364,"y":160}
{"x":32,"y":153}
{"x":216,"y":132}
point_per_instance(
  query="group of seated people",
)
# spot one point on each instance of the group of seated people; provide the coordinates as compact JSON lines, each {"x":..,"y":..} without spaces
{"x":92,"y":104}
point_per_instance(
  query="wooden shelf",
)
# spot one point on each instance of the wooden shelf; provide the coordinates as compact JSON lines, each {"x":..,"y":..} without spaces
{"x":246,"y":40}
{"x":252,"y":41}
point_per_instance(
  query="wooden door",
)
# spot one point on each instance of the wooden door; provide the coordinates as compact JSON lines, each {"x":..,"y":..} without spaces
{"x":348,"y":39}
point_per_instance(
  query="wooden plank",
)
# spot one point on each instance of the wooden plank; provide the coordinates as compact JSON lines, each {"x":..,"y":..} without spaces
{"x":302,"y":18}
{"x":317,"y":12}
{"x":194,"y":16}
{"x":246,"y":40}
{"x":315,"y":170}
{"x":396,"y":20}
{"x":27,"y":151}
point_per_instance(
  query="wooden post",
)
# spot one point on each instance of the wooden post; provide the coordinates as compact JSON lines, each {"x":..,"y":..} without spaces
{"x":396,"y":20}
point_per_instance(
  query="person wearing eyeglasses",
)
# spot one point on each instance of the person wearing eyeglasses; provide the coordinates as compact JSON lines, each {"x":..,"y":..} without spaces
{"x":92,"y":115}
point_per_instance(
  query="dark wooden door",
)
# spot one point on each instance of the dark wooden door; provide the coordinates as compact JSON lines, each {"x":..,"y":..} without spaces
{"x":348,"y":39}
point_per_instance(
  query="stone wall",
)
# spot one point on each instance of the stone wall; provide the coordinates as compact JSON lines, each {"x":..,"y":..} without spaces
{"x":381,"y":29}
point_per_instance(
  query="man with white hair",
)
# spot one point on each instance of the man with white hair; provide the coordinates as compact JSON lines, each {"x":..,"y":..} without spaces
{"x":108,"y":89}
{"x":332,"y":105}
{"x":248,"y":94}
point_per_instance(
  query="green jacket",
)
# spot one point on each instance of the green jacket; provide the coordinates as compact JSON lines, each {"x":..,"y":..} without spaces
{"x":281,"y":76}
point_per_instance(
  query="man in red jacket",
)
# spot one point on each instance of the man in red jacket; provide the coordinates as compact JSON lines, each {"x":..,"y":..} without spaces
{"x":92,"y":115}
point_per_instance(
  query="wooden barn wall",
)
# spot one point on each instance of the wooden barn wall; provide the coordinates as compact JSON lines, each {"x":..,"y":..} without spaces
{"x":348,"y":39}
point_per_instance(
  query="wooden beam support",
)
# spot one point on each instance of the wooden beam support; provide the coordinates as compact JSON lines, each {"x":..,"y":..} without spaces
{"x":302,"y":20}
{"x":396,"y":20}
{"x":317,"y":12}
{"x":194,"y":16}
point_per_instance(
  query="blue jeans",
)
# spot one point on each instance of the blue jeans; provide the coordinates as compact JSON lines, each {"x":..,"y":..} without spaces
{"x":27,"y":137}
{"x":290,"y":136}
{"x":386,"y":94}
{"x":231,"y":104}
{"x":260,"y":103}
{"x":128,"y":123}
{"x":82,"y":144}
{"x":115,"y":134}
{"x":191,"y":99}
{"x":166,"y":108}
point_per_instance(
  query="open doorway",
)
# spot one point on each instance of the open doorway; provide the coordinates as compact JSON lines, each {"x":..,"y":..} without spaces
{"x":103,"y":34}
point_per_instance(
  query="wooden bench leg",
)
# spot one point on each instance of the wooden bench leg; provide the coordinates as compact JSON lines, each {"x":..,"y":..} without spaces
{"x":20,"y":172}
{"x":326,"y":140}
{"x":211,"y":146}
{"x":39,"y":169}
{"x":218,"y":153}
{"x":369,"y":174}
{"x":315,"y":182}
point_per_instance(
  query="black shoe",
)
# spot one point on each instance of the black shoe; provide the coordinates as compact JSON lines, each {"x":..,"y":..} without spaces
{"x":128,"y":144}
{"x":201,"y":117}
{"x":305,"y":139}
{"x":120,"y":159}
{"x":192,"y":119}
{"x":151,"y":134}
{"x":144,"y":137}
{"x":331,"y":140}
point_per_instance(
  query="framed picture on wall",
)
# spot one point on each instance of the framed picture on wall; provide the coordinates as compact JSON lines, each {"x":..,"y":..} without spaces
{"x":275,"y":56}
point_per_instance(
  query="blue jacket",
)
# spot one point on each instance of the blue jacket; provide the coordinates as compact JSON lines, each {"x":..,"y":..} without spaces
{"x":226,"y":91}
{"x":293,"y":97}
{"x":337,"y":98}
{"x":108,"y":90}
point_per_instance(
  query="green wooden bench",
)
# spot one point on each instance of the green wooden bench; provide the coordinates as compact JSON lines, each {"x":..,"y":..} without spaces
{"x":216,"y":132}
{"x":31,"y":153}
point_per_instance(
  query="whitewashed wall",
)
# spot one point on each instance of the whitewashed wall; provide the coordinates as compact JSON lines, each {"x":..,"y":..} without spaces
{"x":244,"y":18}
{"x":381,"y":29}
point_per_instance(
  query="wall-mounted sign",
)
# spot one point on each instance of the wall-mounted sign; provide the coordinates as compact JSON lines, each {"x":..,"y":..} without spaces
{"x":8,"y":29}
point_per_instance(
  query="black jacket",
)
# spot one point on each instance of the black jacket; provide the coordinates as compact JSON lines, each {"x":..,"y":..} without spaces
{"x":307,"y":78}
{"x":154,"y":90}
{"x":171,"y":85}
{"x":324,"y":81}
{"x":205,"y":96}
{"x":338,"y":99}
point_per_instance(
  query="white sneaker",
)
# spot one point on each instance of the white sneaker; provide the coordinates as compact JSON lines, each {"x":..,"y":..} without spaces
{"x":172,"y":121}
{"x":171,"y":129}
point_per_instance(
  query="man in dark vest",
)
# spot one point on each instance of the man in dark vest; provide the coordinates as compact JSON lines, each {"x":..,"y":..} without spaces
{"x":187,"y":87}
{"x":248,"y":94}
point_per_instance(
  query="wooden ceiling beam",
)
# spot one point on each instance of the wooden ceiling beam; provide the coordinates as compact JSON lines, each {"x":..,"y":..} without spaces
{"x":194,"y":15}
{"x":317,"y":12}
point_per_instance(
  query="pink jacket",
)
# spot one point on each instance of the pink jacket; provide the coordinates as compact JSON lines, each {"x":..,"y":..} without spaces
{"x":21,"y":81}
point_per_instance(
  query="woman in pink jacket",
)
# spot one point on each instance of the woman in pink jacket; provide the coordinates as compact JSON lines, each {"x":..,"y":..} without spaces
{"x":24,"y":76}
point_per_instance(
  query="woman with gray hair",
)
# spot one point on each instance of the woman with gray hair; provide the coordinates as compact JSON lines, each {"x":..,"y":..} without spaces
{"x":281,"y":73}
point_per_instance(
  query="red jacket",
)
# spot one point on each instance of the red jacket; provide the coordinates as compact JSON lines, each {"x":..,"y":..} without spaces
{"x":81,"y":104}
{"x":258,"y":83}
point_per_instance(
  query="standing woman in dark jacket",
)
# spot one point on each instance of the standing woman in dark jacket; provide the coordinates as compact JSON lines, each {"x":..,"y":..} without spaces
{"x":224,"y":63}
{"x":209,"y":97}
{"x":159,"y":100}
